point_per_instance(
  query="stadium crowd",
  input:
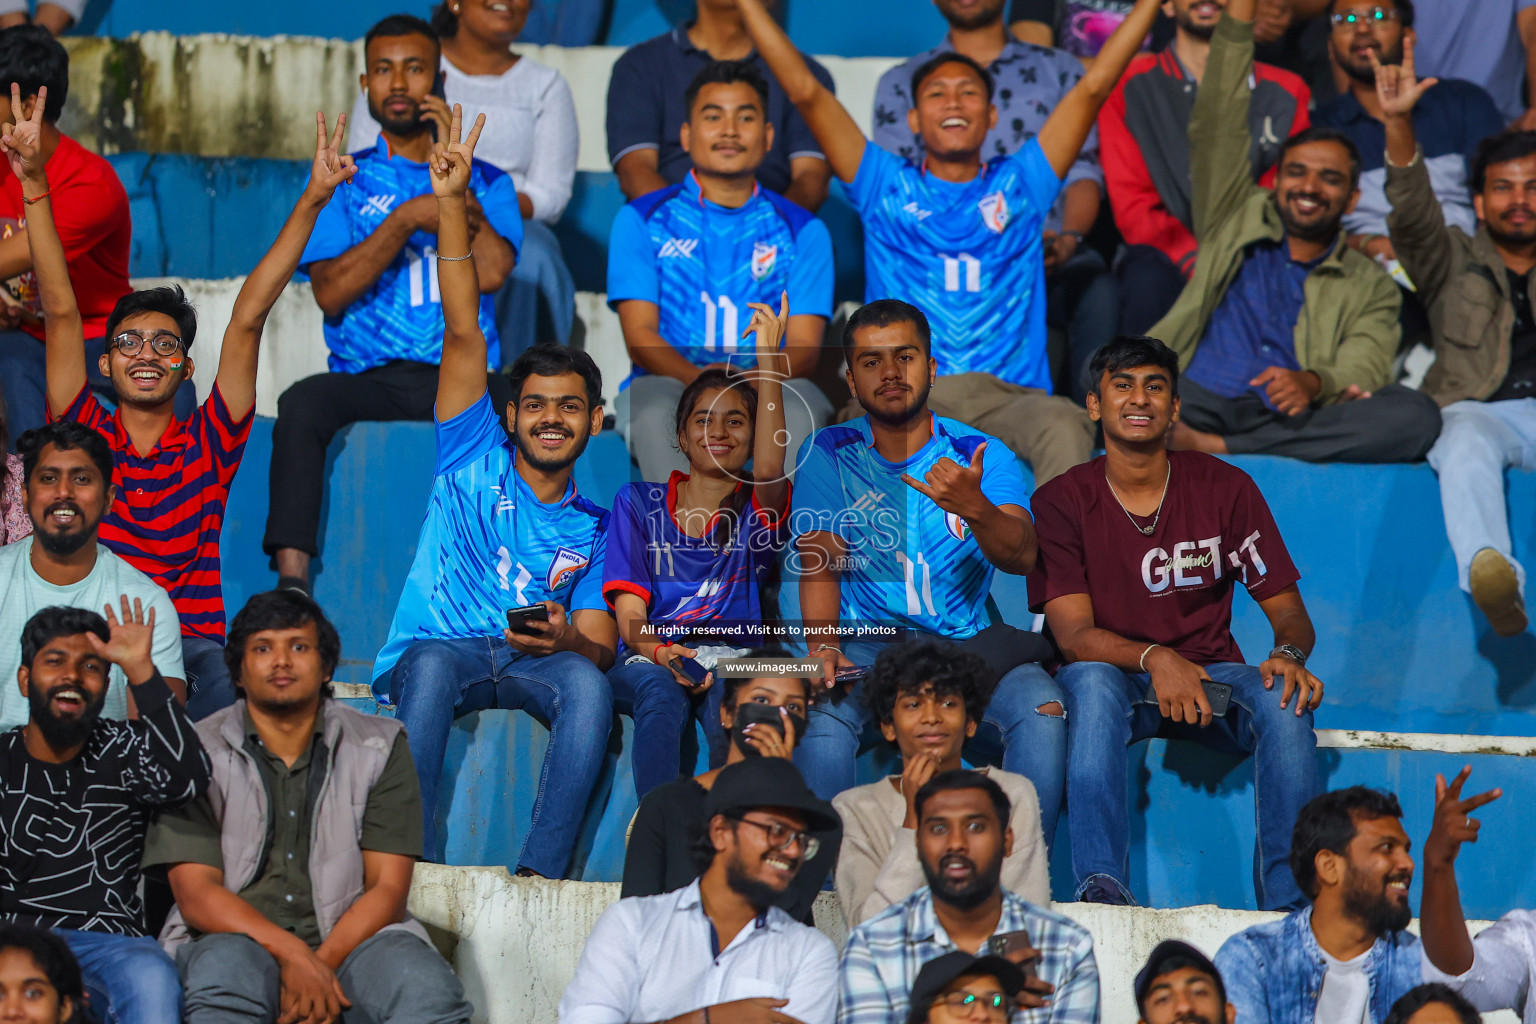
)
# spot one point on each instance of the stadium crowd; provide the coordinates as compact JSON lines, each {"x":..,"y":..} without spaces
{"x":192,"y":828}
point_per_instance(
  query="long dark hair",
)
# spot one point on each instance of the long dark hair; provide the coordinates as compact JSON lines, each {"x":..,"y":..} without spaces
{"x":734,"y":507}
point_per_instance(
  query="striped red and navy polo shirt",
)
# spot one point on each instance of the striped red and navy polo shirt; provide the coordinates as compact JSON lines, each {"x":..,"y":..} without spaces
{"x":169,"y":509}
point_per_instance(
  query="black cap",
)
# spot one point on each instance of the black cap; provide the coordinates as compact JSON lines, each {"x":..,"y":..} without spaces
{"x":1167,"y":951}
{"x":768,"y":782}
{"x":937,"y":974}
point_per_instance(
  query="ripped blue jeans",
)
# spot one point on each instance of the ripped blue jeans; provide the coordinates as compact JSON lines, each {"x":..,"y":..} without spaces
{"x":1024,"y":730}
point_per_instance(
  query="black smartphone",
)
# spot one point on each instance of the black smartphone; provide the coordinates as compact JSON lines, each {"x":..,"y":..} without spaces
{"x":852,"y":674}
{"x":1218,"y":695}
{"x":752,"y":713}
{"x":518,"y":618}
{"x":690,"y":669}
{"x":1012,"y":942}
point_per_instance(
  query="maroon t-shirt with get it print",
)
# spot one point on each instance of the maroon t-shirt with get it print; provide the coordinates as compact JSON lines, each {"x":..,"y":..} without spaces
{"x":1173,"y":587}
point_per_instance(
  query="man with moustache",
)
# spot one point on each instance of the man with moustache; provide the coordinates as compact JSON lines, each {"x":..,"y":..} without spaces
{"x":1478,"y":289}
{"x":1285,"y":335}
{"x":1347,"y":957}
{"x":505,"y":529}
{"x":373,"y":262}
{"x":94,"y":783}
{"x":962,"y":838}
{"x":67,"y":483}
{"x":1180,"y":985}
{"x":1449,"y":121}
{"x":719,"y":951}
{"x":291,"y":874}
{"x":1178,"y":533}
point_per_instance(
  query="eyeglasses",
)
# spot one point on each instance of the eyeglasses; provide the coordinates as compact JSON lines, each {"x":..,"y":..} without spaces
{"x":1374,"y":15}
{"x":131,"y":343}
{"x":781,"y":836}
{"x":993,"y":1002}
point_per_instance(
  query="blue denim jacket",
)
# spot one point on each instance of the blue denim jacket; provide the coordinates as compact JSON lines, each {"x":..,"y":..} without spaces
{"x":1274,"y":972}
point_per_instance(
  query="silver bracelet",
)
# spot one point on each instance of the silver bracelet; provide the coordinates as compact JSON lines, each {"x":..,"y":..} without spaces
{"x":456,"y":259}
{"x":828,"y":647}
{"x":1143,"y":661}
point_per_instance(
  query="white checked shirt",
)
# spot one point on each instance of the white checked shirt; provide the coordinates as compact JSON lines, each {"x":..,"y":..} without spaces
{"x":1503,"y":967}
{"x":651,"y":958}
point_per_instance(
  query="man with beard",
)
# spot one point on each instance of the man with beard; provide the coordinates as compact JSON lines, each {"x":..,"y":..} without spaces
{"x":962,"y":235}
{"x":900,"y":519}
{"x":67,"y":477}
{"x":962,"y":838}
{"x":1029,"y":81}
{"x":96,"y":783}
{"x":719,"y":950}
{"x":173,"y":473}
{"x":1449,"y":122}
{"x":1144,"y":132}
{"x":505,"y":529}
{"x":291,"y":874}
{"x":1180,"y":985}
{"x":753,"y":245}
{"x":1478,"y":289}
{"x":373,"y":263}
{"x":1140,"y":553}
{"x":1347,"y":957}
{"x":1285,"y":335}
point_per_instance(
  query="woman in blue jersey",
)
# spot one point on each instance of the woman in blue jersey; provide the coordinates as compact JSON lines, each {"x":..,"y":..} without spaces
{"x":686,"y":558}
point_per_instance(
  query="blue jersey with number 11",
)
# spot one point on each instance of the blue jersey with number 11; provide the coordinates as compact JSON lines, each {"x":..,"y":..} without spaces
{"x":967,"y":254}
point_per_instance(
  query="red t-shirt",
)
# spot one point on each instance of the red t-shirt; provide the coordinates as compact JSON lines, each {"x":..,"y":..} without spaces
{"x":90,"y":209}
{"x":1174,"y":587}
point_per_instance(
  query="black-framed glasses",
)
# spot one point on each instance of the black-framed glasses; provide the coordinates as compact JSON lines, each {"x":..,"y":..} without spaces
{"x":1372,"y":15}
{"x":780,"y":836}
{"x":131,"y":343}
{"x":961,"y":1002}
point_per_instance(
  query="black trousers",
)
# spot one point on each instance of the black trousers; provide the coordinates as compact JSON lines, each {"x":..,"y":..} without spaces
{"x":1396,"y":424}
{"x":313,"y":410}
{"x":1149,"y":286}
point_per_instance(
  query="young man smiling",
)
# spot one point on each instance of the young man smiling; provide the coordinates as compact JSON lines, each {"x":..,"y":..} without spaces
{"x":98,"y":783}
{"x":505,"y":529}
{"x":928,"y":698}
{"x":1140,"y":552}
{"x":753,"y":245}
{"x":963,"y":237}
{"x":1285,"y":335}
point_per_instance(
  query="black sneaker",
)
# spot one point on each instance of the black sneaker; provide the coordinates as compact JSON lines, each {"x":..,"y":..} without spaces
{"x":293,"y":583}
{"x":1107,"y":893}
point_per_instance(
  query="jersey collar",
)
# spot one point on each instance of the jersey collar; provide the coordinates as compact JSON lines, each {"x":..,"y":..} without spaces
{"x":523,"y":488}
{"x":695,"y":189}
{"x":935,"y":431}
{"x":678,"y":477}
{"x":175,"y":437}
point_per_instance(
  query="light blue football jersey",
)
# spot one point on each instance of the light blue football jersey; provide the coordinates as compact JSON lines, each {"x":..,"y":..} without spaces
{"x":702,"y":264}
{"x":909,"y":563}
{"x":968,"y":255}
{"x":401,"y":315}
{"x":488,"y":545}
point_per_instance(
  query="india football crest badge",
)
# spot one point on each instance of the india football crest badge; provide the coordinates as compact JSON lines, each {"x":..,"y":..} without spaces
{"x":764,"y":256}
{"x":564,"y":567}
{"x":994,"y":211}
{"x":958,"y":528}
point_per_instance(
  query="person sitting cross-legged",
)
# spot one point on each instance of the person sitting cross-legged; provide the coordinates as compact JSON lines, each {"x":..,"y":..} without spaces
{"x":78,"y":792}
{"x":1285,"y":335}
{"x":1140,"y":552}
{"x":505,"y":529}
{"x":658,"y":856}
{"x":962,"y":841}
{"x":291,"y":874}
{"x":928,"y":697}
{"x":963,"y":236}
{"x":720,"y":949}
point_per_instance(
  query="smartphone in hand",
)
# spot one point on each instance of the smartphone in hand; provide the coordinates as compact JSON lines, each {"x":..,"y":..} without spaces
{"x":518,"y":618}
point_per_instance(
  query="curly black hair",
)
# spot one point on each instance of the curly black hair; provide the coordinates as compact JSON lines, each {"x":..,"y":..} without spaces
{"x":908,"y":667}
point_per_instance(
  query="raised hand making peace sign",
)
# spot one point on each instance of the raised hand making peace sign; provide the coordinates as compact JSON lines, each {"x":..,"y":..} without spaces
{"x":450,"y":161}
{"x":331,"y":166}
{"x":1452,"y":826}
{"x":23,"y":138}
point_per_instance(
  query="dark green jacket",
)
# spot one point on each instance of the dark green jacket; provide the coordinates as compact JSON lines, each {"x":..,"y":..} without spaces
{"x":1462,"y":283}
{"x":1348,"y":330}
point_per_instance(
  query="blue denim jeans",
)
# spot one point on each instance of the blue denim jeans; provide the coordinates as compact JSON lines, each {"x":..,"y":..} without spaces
{"x":1109,"y":711}
{"x":436,"y":681}
{"x":539,"y":281}
{"x":1014,"y":731}
{"x":663,"y":711}
{"x":129,"y":979}
{"x":209,"y":687}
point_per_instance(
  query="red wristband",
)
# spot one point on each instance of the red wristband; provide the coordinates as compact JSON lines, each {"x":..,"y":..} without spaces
{"x":36,"y":199}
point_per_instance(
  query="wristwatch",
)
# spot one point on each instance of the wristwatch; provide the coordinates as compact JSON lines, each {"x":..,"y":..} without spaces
{"x":1291,"y":651}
